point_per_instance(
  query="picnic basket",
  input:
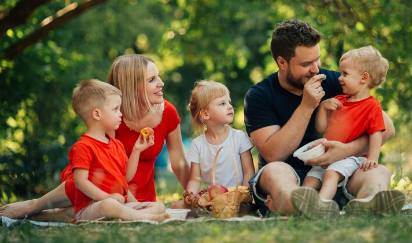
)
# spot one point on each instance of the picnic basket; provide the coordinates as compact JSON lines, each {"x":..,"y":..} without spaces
{"x":225,"y":205}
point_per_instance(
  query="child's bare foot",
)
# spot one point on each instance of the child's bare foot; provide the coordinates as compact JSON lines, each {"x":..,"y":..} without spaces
{"x":18,"y":209}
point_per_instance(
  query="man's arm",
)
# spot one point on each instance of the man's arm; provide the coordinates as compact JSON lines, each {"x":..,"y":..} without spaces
{"x":277,"y":143}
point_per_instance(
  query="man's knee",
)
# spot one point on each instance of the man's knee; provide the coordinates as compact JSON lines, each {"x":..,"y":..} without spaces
{"x":380,"y":172}
{"x":364,"y":183}
{"x":276,"y":175}
{"x":274,"y":169}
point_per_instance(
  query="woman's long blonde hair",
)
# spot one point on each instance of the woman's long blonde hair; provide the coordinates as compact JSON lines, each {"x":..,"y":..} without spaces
{"x":128,"y":73}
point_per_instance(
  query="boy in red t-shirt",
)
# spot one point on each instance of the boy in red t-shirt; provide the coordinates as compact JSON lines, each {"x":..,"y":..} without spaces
{"x":347,"y":117}
{"x":96,"y":174}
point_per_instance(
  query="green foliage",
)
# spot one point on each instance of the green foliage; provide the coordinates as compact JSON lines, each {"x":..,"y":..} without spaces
{"x":190,"y":40}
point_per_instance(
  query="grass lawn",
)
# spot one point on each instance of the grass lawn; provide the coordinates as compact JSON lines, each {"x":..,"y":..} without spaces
{"x":295,"y":229}
{"x":366,"y":228}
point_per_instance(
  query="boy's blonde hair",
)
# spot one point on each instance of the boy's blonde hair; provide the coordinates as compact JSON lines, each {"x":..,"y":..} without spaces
{"x":90,"y":94}
{"x":128,"y":73}
{"x":202,"y":94}
{"x":369,"y":59}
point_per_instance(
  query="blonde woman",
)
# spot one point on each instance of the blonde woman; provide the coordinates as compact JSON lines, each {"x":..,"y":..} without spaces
{"x":143,"y":105}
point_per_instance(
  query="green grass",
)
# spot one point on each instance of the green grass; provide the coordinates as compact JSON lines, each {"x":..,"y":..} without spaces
{"x":366,"y":228}
{"x":296,"y":229}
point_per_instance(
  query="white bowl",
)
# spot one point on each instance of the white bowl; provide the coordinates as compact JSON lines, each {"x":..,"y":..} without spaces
{"x":177,"y":213}
{"x":308,"y":152}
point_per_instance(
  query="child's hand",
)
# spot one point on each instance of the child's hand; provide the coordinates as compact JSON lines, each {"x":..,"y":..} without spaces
{"x":117,"y":197}
{"x":331,"y":104}
{"x":143,"y":143}
{"x":369,"y":164}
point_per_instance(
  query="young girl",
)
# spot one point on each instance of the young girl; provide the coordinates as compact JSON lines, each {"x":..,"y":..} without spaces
{"x":212,"y":113}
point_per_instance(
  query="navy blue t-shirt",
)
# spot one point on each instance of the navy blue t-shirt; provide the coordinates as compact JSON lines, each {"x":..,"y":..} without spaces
{"x":267,"y":104}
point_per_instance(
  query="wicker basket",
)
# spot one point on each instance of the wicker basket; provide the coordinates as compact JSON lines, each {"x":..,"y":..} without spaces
{"x":228,"y":204}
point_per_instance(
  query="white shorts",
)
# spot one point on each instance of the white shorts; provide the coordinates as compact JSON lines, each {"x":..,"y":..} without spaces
{"x":345,"y":167}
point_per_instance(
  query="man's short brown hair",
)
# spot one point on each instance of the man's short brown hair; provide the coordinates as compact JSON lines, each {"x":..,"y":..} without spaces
{"x":90,"y":94}
{"x":290,"y":34}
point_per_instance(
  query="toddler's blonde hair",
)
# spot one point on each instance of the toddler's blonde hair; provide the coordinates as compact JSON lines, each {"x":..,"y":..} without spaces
{"x":369,"y":59}
{"x":202,"y":94}
{"x":90,"y":94}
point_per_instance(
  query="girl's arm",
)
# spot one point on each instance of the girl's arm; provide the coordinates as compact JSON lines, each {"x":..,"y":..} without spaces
{"x":194,"y":181}
{"x":140,"y":145}
{"x":375,"y":143}
{"x":247,"y":166}
{"x":91,"y":190}
{"x":177,"y":158}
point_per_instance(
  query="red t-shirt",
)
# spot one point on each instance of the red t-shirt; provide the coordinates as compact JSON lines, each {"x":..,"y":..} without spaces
{"x":354,"y":119}
{"x":142,"y":185}
{"x":106,"y":163}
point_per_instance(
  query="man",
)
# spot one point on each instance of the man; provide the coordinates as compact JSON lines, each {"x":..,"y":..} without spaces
{"x":280,"y":116}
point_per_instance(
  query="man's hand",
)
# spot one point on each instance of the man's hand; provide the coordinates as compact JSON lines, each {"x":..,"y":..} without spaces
{"x":313,"y":91}
{"x":331,"y":104}
{"x":335,"y":151}
{"x":117,"y":197}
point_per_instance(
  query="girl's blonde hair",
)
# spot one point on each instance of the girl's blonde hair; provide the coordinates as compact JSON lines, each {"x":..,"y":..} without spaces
{"x":369,"y":59}
{"x":202,"y":94}
{"x":128,"y":73}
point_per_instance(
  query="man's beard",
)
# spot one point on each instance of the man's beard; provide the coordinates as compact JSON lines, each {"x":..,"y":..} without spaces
{"x":292,"y":81}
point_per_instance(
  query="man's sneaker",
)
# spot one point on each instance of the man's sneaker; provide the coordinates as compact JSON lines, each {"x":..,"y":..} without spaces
{"x":306,"y":200}
{"x":384,"y":202}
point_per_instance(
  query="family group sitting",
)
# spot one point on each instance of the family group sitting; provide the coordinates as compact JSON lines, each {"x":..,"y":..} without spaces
{"x":111,"y":167}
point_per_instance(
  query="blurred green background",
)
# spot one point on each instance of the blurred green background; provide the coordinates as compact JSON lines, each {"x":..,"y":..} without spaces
{"x":46,"y":47}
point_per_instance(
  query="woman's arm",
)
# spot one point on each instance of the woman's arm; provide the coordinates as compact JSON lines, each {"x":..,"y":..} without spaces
{"x":247,"y":166}
{"x":177,"y":157}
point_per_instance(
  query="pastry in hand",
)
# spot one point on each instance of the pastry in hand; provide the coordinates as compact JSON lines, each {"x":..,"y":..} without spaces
{"x":146,"y":132}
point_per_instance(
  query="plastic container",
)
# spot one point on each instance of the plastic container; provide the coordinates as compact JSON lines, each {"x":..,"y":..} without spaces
{"x":308,"y":152}
{"x":177,"y":213}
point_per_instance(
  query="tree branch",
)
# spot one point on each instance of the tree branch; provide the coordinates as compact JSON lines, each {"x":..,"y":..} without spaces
{"x":19,"y":14}
{"x":48,"y":24}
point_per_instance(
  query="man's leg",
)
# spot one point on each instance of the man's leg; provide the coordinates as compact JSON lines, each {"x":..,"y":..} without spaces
{"x":56,"y":198}
{"x":372,"y":192}
{"x":278,"y":180}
